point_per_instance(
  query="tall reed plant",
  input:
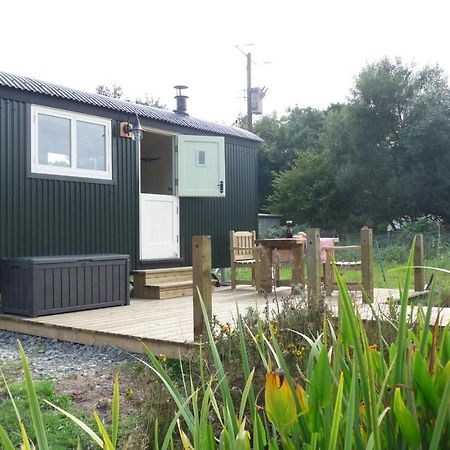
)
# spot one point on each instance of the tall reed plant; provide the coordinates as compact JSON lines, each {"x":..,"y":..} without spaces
{"x":353,"y":394}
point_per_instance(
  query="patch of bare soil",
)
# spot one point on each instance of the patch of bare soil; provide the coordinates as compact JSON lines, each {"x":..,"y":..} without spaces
{"x":94,"y":391}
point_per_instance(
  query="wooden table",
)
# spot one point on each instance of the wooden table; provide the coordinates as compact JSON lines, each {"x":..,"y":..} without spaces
{"x":264,"y":261}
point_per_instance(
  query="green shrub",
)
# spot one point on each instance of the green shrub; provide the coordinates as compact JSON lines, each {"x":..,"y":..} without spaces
{"x":394,"y":254}
{"x":280,"y":231}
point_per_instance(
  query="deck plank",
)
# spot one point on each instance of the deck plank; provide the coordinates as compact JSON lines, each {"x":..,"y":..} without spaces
{"x":165,"y":325}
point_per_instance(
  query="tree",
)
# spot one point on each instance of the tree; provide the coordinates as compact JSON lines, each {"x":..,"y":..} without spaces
{"x":284,"y":139}
{"x":368,"y":140}
{"x":116,"y":91}
{"x":382,"y":156}
{"x":149,"y":100}
{"x":306,"y":193}
{"x":426,"y":159}
{"x":304,"y":127}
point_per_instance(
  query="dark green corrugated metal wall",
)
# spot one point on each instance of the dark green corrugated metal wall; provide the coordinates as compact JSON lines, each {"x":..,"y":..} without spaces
{"x":47,"y":216}
{"x":44,"y":216}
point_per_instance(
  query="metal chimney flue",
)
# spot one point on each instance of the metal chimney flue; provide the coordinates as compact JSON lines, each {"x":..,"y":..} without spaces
{"x":181,"y":100}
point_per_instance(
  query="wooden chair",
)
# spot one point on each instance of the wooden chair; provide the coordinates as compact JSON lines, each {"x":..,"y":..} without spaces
{"x":329,"y":281}
{"x":242,"y":244}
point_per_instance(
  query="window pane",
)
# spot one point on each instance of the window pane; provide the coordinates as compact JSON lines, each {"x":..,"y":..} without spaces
{"x":91,"y":146}
{"x":201,"y":158}
{"x":54,"y":141}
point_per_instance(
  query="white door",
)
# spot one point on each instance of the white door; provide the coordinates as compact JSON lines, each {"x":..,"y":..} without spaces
{"x":159,"y":226}
{"x":201,"y":166}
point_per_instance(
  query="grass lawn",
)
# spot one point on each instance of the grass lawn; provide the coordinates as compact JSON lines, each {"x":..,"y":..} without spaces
{"x":62,"y":432}
{"x":390,"y":277}
{"x":80,"y":396}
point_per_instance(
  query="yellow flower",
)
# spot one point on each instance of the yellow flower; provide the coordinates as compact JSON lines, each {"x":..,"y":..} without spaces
{"x":129,"y":392}
{"x":163,"y":358}
{"x":362,"y":410}
{"x":279,"y":398}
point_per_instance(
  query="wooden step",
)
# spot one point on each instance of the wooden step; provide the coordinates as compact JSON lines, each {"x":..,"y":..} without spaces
{"x":163,"y":283}
{"x":169,"y":290}
{"x":157,"y":276}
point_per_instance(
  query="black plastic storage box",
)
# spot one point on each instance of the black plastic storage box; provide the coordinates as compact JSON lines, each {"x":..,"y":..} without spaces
{"x":38,"y":286}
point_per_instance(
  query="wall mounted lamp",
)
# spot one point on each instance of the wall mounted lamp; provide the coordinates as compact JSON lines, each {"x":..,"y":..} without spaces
{"x":132,"y":128}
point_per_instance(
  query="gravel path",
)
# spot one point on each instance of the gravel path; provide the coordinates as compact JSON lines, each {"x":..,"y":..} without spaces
{"x":49,"y":358}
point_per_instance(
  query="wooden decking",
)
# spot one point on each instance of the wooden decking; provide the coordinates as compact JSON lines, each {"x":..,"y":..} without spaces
{"x":166,"y":326}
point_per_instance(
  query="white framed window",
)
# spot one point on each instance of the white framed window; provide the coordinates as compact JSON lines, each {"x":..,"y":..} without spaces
{"x":70,"y":144}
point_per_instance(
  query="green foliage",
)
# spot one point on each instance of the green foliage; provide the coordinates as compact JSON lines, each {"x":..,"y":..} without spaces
{"x":381,"y":157}
{"x":62,"y":433}
{"x":280,"y":231}
{"x":306,"y":193}
{"x":42,"y":423}
{"x":368,"y":142}
{"x":352,"y":394}
{"x":284,"y":139}
{"x":149,"y":100}
{"x":351,"y":389}
{"x":116,"y":91}
{"x":423,"y":225}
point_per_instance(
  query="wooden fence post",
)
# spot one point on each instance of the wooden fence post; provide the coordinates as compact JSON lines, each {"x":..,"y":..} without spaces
{"x":313,"y":267}
{"x":419,"y":273}
{"x":367,"y":262}
{"x":201,"y":275}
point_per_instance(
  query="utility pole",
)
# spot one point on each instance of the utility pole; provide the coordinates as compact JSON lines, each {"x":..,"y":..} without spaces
{"x":249,"y":92}
{"x":258,"y":92}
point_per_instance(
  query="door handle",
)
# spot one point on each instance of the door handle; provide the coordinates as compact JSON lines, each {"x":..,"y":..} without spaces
{"x":220,"y":186}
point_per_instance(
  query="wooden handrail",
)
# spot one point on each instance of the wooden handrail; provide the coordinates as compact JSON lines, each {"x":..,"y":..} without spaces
{"x":342,"y":247}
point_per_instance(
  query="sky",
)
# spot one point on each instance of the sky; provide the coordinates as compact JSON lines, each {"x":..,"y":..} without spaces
{"x":307,"y":53}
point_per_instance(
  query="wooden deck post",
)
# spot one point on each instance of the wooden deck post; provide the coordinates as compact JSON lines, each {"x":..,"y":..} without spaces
{"x":259,"y":267}
{"x":328,"y":276}
{"x":298,"y":265}
{"x":367,"y":263}
{"x":419,"y":273}
{"x":201,"y":274}
{"x":313,"y":266}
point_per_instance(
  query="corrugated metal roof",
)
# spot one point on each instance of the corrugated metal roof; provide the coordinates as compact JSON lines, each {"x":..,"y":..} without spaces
{"x":53,"y":90}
